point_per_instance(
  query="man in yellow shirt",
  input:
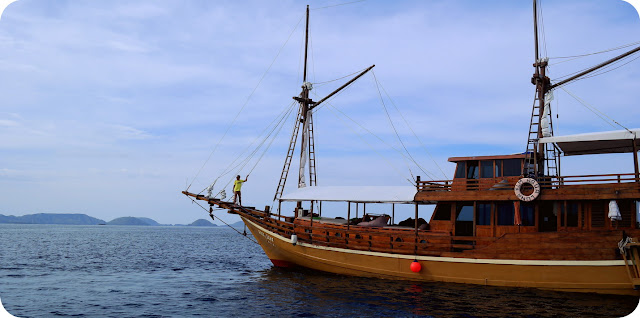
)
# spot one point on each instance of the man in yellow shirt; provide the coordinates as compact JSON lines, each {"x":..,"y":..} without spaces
{"x":237,"y":185}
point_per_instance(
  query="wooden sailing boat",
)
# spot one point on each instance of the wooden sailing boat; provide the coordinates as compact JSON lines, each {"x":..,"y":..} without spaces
{"x":504,"y":220}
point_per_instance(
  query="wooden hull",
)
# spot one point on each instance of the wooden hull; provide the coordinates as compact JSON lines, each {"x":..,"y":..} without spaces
{"x":603,"y":276}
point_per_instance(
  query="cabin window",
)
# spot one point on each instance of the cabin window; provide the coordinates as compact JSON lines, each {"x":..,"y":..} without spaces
{"x":572,"y":214}
{"x":460,"y":170}
{"x":527,"y":214}
{"x":598,"y":211}
{"x":483,"y":214}
{"x":511,"y":167}
{"x":472,"y":170}
{"x":486,"y":169}
{"x":442,"y":212}
{"x":626,"y":210}
{"x":464,"y":212}
{"x":505,"y":213}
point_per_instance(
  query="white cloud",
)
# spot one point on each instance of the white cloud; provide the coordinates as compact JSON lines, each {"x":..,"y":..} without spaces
{"x":126,"y":99}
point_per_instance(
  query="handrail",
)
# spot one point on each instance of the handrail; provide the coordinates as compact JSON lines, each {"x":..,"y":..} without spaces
{"x":498,"y":183}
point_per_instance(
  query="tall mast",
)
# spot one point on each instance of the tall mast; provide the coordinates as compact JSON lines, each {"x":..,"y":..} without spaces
{"x":535,"y":31}
{"x":306,"y":150}
{"x":306,"y":46}
{"x":304,"y":122}
{"x":534,"y":164}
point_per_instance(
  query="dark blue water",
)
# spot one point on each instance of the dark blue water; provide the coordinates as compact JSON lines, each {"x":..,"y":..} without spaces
{"x":122,"y":271}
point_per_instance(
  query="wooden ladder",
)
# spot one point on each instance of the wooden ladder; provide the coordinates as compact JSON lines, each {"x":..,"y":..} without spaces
{"x":532,"y":139}
{"x":312,"y":153}
{"x":287,"y":160}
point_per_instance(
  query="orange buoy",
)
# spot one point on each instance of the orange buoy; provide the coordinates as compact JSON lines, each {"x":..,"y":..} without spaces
{"x":415,"y":266}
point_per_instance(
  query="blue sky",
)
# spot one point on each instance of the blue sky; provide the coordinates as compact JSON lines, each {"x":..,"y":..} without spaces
{"x":110,"y":108}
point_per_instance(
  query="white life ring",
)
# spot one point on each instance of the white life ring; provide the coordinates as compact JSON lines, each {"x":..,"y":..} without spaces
{"x":530,"y":197}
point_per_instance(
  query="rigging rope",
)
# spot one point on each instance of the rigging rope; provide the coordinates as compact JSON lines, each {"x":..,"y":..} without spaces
{"x":609,"y":70}
{"x":245,"y":103}
{"x":544,"y":38}
{"x":246,"y":161}
{"x":413,"y":132}
{"x":318,"y":84}
{"x":594,"y":53}
{"x":395,"y":130}
{"x":339,"y":4}
{"x":604,"y":70}
{"x":231,"y":166}
{"x":219,"y":219}
{"x":365,"y":141}
{"x":594,"y":110}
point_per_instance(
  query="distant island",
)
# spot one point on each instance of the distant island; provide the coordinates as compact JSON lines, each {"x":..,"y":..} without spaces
{"x":83,"y":219}
{"x":130,"y":220}
{"x":51,"y":218}
{"x":201,"y":222}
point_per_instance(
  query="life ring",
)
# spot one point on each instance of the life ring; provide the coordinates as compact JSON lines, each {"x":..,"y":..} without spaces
{"x":530,"y":197}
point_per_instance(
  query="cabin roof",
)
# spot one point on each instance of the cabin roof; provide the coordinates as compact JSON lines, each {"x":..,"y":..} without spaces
{"x":368,"y":194}
{"x":513,"y":156}
{"x":617,"y":141}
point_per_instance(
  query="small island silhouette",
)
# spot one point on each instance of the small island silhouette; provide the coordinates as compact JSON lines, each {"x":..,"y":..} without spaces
{"x":83,"y":219}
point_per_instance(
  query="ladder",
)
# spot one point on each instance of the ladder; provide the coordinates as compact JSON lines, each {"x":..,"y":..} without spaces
{"x":551,"y":155}
{"x":287,"y":160}
{"x":312,"y":153}
{"x":532,"y":140}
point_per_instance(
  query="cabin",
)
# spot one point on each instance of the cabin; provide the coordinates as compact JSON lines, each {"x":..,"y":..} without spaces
{"x":482,"y":201}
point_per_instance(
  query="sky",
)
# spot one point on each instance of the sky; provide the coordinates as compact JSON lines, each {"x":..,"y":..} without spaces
{"x":112,"y":108}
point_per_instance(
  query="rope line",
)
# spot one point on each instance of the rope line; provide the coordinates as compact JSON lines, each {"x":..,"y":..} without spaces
{"x":232,"y":165}
{"x":609,"y":70}
{"x":240,"y":166}
{"x":337,"y":5}
{"x":413,"y":132}
{"x":396,"y":131}
{"x":219,"y":219}
{"x":604,"y":70}
{"x":365,"y":141}
{"x":594,"y":53}
{"x":339,"y":78}
{"x":245,"y":103}
{"x":596,"y":111}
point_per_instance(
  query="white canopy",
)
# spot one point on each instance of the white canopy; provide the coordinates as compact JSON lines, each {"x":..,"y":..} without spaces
{"x":595,"y":143}
{"x":368,"y":194}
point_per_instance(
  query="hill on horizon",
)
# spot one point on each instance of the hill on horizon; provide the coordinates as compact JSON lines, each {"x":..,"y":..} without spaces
{"x":202,"y":222}
{"x":51,"y":218}
{"x":131,"y":220}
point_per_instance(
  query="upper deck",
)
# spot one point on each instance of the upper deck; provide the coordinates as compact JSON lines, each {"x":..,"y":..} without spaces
{"x":493,"y":178}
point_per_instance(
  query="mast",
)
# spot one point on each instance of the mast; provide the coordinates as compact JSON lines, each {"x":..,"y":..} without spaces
{"x":304,"y":122}
{"x":306,"y":150}
{"x":535,"y":154}
{"x":538,"y":154}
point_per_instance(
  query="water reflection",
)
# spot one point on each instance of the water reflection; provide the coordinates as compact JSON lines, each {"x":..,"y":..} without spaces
{"x":309,"y":293}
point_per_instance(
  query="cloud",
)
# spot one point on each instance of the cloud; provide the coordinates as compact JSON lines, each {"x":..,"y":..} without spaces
{"x":126,"y":99}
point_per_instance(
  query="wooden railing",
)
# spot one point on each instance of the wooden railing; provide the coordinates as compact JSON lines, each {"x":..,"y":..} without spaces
{"x":509,"y":182}
{"x":387,"y":240}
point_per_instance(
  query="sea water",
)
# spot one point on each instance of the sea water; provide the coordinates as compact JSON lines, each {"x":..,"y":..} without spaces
{"x":132,"y":271}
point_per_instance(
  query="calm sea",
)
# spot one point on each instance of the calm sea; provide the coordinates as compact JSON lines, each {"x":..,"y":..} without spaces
{"x":128,"y":271}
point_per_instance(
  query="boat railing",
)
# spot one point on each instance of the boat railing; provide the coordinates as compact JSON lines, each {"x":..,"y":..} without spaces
{"x":507,"y":183}
{"x":594,"y":179}
{"x":444,"y":185}
{"x":387,"y":239}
